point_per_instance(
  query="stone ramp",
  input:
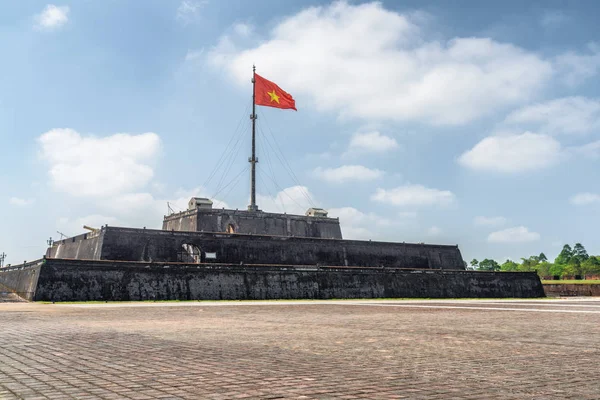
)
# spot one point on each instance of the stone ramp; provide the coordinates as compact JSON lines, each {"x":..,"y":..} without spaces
{"x":6,"y":296}
{"x":20,"y":280}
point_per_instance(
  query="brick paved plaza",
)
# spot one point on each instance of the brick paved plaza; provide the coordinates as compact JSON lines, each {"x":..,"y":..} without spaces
{"x":368,"y":349}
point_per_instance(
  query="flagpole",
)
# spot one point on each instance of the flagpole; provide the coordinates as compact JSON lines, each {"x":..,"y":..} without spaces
{"x":253,"y":160}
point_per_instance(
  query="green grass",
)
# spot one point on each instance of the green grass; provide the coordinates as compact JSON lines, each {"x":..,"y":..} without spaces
{"x":576,"y":282}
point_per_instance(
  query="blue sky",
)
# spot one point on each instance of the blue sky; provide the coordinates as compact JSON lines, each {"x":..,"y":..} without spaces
{"x":466,"y":122}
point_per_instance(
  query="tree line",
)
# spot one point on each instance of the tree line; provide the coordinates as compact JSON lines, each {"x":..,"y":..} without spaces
{"x":571,"y":262}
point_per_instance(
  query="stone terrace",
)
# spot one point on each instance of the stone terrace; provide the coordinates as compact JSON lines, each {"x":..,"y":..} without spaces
{"x":417,"y":349}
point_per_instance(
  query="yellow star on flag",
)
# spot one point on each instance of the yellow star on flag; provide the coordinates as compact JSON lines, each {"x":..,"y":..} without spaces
{"x":274,"y":96}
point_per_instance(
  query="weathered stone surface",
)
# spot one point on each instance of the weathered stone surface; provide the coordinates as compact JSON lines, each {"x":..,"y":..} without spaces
{"x":21,"y":280}
{"x":8,"y":296}
{"x":256,"y":223}
{"x":87,"y":246}
{"x":128,"y":244}
{"x":561,"y":289}
{"x":80,"y":280}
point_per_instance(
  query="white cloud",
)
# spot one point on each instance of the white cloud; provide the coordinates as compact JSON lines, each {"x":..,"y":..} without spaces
{"x":243,"y":29}
{"x":414,"y":195}
{"x":52,"y":17}
{"x":369,"y":62}
{"x":73,"y":227}
{"x":408,"y":214}
{"x":575,"y":67}
{"x":98,"y":166}
{"x":354,"y":223}
{"x":434,"y":231}
{"x":108,"y":172}
{"x":134,"y":209}
{"x":569,"y":115}
{"x":347,"y":173}
{"x":358,"y":225}
{"x":513,"y":153}
{"x":193,"y":55}
{"x":489,"y":221}
{"x":517,"y":234}
{"x":590,"y":150}
{"x":371,"y":142}
{"x":293,"y":200}
{"x":582,"y":199}
{"x":19,"y":202}
{"x":189,"y":10}
{"x":145,"y":209}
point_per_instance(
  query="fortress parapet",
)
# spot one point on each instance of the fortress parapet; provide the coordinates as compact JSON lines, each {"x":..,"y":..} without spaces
{"x":130,"y":244}
{"x":202,"y":217}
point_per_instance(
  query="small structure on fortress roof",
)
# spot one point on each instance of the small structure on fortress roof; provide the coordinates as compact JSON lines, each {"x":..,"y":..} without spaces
{"x":216,"y":253}
{"x":316,"y":212}
{"x":200,"y":203}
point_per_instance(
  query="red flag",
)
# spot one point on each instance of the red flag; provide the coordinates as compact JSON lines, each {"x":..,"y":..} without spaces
{"x":269,"y":94}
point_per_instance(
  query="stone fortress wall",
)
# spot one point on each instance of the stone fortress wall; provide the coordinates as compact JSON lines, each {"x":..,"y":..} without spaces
{"x":83,"y":280}
{"x":256,"y":223}
{"x":128,"y":244}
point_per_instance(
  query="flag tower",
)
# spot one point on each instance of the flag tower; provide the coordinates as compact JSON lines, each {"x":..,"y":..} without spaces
{"x":253,"y":160}
{"x":270,"y":95}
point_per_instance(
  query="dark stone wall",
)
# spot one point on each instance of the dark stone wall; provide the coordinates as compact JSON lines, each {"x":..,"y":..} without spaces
{"x":21,"y":279}
{"x":75,"y":280}
{"x":256,"y":223}
{"x":128,"y":244}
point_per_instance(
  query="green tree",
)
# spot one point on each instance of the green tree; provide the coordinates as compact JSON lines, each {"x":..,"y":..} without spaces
{"x":544,"y":269}
{"x":528,"y":264}
{"x":572,"y":268}
{"x":580,"y":253}
{"x":591,"y":266}
{"x":489,"y":265}
{"x":565,"y":255}
{"x":556,"y":269}
{"x":509,"y":265}
{"x":474,"y":263}
{"x":542,"y":258}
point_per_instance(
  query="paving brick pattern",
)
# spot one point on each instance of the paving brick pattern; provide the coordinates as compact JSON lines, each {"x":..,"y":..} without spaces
{"x":351,"y":350}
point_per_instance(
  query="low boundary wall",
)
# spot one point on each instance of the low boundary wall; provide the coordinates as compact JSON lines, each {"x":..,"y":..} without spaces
{"x":82,"y":280}
{"x":565,"y":289}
